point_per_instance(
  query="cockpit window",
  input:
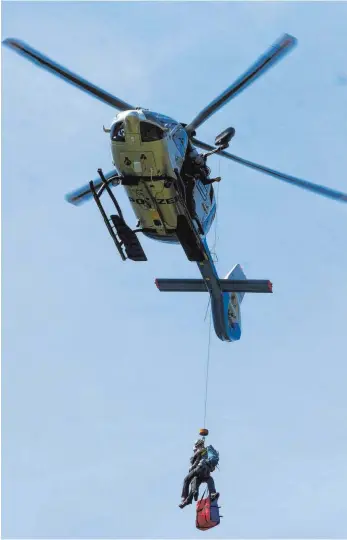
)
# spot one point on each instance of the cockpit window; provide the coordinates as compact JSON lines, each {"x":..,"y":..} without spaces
{"x":180,"y":138}
{"x":161,"y":119}
{"x":150,"y":132}
{"x":117,"y":132}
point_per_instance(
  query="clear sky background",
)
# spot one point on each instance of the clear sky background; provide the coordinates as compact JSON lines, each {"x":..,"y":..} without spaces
{"x":102,"y":375}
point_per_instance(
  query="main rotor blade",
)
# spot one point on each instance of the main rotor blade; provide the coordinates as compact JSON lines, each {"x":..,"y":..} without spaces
{"x":53,"y":67}
{"x":315,"y":188}
{"x":269,"y":58}
{"x":83,"y":194}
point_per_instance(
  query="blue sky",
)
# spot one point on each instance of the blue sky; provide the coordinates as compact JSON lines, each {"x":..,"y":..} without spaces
{"x":103,"y":376}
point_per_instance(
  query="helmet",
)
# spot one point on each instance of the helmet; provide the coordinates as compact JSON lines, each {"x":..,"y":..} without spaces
{"x":199,"y":443}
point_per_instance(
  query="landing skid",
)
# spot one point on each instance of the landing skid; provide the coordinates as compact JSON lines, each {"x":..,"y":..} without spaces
{"x":129,"y":239}
{"x":125,"y":239}
{"x":187,"y":233}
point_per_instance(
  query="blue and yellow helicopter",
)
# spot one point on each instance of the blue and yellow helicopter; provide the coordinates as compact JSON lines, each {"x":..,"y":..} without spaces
{"x":168,"y":184}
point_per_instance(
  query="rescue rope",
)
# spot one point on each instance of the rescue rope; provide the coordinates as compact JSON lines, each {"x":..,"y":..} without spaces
{"x":207,"y":367}
{"x":213,"y":252}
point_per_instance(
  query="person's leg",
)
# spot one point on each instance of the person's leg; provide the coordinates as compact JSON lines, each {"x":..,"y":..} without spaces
{"x":211,"y":485}
{"x":193,"y":480}
{"x":195,"y":488}
{"x":212,"y":489}
{"x":186,"y":483}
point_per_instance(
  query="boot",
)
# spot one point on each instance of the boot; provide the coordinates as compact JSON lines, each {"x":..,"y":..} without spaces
{"x":185,"y":503}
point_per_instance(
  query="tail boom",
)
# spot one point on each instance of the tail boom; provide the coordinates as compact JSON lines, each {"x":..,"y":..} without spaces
{"x":226,"y":294}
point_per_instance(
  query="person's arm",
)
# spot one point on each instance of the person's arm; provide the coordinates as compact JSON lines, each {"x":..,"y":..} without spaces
{"x":207,"y":181}
{"x":195,"y":459}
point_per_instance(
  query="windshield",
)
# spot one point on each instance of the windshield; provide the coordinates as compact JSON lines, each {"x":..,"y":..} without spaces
{"x":161,"y":119}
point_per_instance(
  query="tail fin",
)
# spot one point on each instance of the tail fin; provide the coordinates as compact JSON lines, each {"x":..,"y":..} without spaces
{"x":235,"y":298}
{"x":238,"y":274}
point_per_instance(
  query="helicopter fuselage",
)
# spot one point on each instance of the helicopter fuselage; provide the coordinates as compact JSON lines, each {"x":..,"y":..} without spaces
{"x":154,"y":161}
{"x":152,"y":147}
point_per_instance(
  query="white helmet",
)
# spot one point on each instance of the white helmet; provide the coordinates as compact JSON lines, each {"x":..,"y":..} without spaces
{"x":199,"y":442}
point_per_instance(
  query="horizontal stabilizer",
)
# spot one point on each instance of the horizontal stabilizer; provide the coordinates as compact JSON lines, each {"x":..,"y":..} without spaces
{"x":227,"y":285}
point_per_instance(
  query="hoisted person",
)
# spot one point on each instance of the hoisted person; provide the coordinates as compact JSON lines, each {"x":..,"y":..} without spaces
{"x":203,"y":462}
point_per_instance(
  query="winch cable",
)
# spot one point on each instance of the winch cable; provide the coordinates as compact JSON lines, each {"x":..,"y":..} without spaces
{"x":213,"y":252}
{"x":207,"y":367}
{"x":216,"y":238}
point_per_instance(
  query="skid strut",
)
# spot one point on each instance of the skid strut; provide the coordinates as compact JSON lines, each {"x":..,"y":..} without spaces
{"x":121,"y":233}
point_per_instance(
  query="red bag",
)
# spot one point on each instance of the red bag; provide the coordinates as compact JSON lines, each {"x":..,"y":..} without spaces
{"x":207,"y":514}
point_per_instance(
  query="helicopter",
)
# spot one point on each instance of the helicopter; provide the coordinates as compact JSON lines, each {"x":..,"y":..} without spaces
{"x":168,"y":184}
